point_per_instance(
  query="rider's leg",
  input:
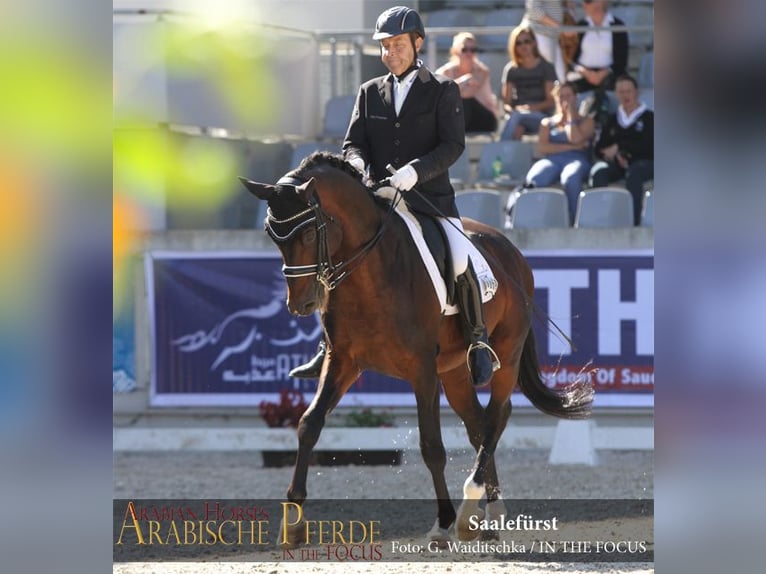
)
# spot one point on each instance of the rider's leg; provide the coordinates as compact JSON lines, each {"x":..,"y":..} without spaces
{"x":481,"y":358}
{"x":313,"y":368}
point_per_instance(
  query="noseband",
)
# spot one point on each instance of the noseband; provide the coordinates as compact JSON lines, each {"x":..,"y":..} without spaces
{"x":327,"y":273}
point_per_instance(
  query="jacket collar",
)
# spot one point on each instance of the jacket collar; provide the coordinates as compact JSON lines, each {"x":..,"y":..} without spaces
{"x":385,"y":88}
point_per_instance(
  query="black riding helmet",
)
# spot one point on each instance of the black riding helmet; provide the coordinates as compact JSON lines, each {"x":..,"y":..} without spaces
{"x":398,"y":20}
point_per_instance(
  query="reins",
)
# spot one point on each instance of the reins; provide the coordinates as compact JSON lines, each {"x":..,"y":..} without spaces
{"x":536,"y":308}
{"x":329,"y":274}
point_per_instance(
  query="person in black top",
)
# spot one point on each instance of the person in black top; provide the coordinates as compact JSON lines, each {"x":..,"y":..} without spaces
{"x":626,"y":145}
{"x":413,"y":120}
{"x":600,"y":58}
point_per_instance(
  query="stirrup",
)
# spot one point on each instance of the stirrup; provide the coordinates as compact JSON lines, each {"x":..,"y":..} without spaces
{"x":482,"y":345}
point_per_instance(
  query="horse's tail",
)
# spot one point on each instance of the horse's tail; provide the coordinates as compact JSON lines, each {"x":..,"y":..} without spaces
{"x":571,"y":402}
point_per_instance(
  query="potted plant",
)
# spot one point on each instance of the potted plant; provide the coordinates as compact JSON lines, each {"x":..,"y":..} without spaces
{"x":369,"y":419}
{"x":284,"y":413}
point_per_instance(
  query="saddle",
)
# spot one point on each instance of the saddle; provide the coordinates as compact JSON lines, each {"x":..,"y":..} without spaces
{"x":433,"y":246}
{"x":438,"y":245}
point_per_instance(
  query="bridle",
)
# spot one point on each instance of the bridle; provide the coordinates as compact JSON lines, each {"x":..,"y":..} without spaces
{"x":328,"y":273}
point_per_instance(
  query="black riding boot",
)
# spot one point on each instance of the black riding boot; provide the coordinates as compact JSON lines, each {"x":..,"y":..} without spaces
{"x":313,"y":368}
{"x":482,"y":360}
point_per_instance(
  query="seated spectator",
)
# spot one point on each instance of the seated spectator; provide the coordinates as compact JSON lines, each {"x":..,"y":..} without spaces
{"x":626,"y":145}
{"x":565,"y":140}
{"x":601,"y":56}
{"x":473,"y":78}
{"x":527,"y":83}
{"x":545,"y":17}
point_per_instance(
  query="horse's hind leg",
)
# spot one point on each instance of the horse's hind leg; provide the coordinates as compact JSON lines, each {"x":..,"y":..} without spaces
{"x":432,"y":450}
{"x":484,"y":475}
{"x":463,"y":400}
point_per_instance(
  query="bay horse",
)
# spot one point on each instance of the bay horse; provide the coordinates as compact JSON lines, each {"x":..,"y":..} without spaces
{"x":346,"y":255}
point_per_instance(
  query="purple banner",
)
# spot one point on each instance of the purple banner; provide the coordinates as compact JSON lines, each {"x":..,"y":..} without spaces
{"x":222,"y":334}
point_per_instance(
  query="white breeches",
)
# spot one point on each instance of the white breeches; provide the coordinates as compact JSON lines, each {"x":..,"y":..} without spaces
{"x":458,"y":244}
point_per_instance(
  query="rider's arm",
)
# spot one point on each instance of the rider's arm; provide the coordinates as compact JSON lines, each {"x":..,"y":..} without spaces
{"x":450,"y":127}
{"x":355,"y":144}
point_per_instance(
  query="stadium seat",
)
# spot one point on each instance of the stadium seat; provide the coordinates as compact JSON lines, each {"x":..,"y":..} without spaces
{"x":472,"y":4}
{"x":268,"y":161}
{"x":637,"y":14}
{"x":647,"y":211}
{"x":482,"y":205}
{"x":337,"y":115}
{"x":451,"y":18}
{"x":516,"y":157}
{"x":604,"y":207}
{"x":502,"y":17}
{"x":303,"y":150}
{"x":460,"y":171}
{"x":646,"y":95}
{"x":495,"y":60}
{"x":540,"y":207}
{"x":646,"y":71}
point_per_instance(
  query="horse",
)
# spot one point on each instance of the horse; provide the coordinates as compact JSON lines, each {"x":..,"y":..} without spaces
{"x":347,"y":256}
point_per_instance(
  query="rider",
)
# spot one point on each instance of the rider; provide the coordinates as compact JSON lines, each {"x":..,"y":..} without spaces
{"x":413,"y":120}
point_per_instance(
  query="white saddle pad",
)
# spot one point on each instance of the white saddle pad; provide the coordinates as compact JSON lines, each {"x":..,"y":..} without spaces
{"x":487,"y":281}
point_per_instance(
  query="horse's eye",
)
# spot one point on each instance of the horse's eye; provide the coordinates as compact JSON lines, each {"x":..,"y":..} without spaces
{"x":309,"y":236}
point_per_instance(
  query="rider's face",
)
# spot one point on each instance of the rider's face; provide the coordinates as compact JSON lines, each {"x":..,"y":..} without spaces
{"x":397,"y":52}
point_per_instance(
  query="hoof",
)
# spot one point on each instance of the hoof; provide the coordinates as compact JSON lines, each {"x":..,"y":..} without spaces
{"x":462,"y":526}
{"x":294,"y":536}
{"x":439,"y":535}
{"x":489,"y":535}
{"x":495,"y":511}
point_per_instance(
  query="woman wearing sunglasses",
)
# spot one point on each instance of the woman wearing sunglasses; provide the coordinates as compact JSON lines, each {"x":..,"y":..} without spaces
{"x":528,"y":80}
{"x":472,"y":77}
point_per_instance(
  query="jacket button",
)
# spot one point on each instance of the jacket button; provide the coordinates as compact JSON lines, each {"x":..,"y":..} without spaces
{"x":396,"y":161}
{"x":397,"y":124}
{"x":396,"y":142}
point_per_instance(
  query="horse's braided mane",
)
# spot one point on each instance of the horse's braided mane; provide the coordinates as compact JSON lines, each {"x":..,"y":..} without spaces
{"x":319,"y":158}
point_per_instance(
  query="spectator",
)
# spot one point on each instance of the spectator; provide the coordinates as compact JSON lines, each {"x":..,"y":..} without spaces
{"x":601,"y":56}
{"x":472,"y":77}
{"x":565,"y":140}
{"x":626,"y":145}
{"x":545,"y":18}
{"x":527,"y":83}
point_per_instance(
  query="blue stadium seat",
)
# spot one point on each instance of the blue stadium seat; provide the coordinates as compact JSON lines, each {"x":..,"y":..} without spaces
{"x":451,"y":18}
{"x":516,"y":157}
{"x":502,"y":17}
{"x":337,"y":115}
{"x":637,"y":14}
{"x":604,"y":207}
{"x":646,"y":95}
{"x":647,"y":211}
{"x":460,"y":171}
{"x":646,"y":71}
{"x":482,"y":205}
{"x":540,"y":207}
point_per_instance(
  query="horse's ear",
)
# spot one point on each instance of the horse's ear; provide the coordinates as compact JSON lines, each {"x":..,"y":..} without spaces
{"x":306,"y":190}
{"x":259,"y":190}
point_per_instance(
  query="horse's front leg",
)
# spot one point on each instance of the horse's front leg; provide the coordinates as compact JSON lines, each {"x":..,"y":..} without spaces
{"x":337,"y":376}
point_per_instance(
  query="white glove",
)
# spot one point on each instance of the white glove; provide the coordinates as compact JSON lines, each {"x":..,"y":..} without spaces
{"x":357,"y":163}
{"x":405,"y":178}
